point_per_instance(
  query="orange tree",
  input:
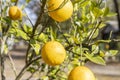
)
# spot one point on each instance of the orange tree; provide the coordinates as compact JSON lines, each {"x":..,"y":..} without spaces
{"x":73,"y":24}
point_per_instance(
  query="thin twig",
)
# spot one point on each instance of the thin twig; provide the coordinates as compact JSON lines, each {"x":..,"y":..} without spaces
{"x":105,"y":41}
{"x":25,"y":67}
{"x":12,"y":64}
{"x":93,"y":32}
{"x":47,"y":22}
{"x":58,"y":26}
{"x":29,"y":18}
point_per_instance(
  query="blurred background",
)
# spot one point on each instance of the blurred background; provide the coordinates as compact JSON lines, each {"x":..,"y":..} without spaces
{"x":111,"y":71}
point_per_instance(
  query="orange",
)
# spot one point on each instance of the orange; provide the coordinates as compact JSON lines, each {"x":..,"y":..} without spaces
{"x":81,"y":73}
{"x":60,"y":10}
{"x":15,"y":13}
{"x":53,"y":53}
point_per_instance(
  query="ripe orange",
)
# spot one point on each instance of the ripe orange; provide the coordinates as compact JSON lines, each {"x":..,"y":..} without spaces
{"x":53,"y":53}
{"x":15,"y":13}
{"x":60,"y":10}
{"x":81,"y":73}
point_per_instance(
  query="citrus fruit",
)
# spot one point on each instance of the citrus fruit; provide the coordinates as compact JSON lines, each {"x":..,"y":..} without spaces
{"x":53,"y":53}
{"x":60,"y":10}
{"x":15,"y":13}
{"x":81,"y":73}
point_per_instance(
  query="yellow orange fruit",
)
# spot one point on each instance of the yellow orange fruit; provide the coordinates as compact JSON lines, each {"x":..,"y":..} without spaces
{"x":81,"y":73}
{"x":15,"y":13}
{"x":60,"y":10}
{"x":53,"y":53}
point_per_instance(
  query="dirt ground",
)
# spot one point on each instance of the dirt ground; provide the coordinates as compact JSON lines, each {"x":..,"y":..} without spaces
{"x":109,"y":72}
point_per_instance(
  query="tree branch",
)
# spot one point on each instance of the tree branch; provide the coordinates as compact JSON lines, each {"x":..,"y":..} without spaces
{"x":29,"y":46}
{"x":35,"y":27}
{"x":26,"y":66}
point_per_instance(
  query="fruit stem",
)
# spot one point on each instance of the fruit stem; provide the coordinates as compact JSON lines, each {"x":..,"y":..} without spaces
{"x":16,"y":2}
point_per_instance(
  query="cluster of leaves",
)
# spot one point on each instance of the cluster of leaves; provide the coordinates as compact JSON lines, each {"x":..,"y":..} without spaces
{"x":79,"y":35}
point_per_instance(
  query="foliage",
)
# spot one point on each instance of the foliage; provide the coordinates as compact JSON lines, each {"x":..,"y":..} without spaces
{"x":79,"y":35}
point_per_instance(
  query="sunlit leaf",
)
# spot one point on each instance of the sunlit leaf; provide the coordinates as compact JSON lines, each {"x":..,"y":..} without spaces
{"x":43,"y":37}
{"x":110,"y":14}
{"x":31,"y":69}
{"x":20,"y":33}
{"x":13,"y":0}
{"x":97,"y":12}
{"x":102,"y":41}
{"x":28,"y":1}
{"x":27,"y":29}
{"x":95,"y":49}
{"x":113,"y":52}
{"x":45,"y":78}
{"x":105,"y":11}
{"x":95,"y":59}
{"x":102,"y":25}
{"x":96,"y":33}
{"x":102,"y":54}
{"x":84,"y":3}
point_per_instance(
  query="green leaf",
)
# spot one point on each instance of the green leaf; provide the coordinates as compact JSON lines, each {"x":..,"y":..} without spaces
{"x":76,"y":49}
{"x":13,"y":0}
{"x":21,"y":34}
{"x":28,"y":1}
{"x":43,"y":37}
{"x":31,"y":69}
{"x":97,"y":12}
{"x":7,"y":20}
{"x":102,"y":25}
{"x":0,"y":29}
{"x":27,"y":29}
{"x":6,"y":49}
{"x":95,"y":49}
{"x":12,"y":31}
{"x":76,"y":62}
{"x":36,"y":47}
{"x":105,"y":11}
{"x":102,"y":41}
{"x":102,"y":53}
{"x":113,"y":52}
{"x":95,"y":34}
{"x":111,"y":14}
{"x":45,"y":78}
{"x":75,"y":39}
{"x":95,"y":59}
{"x":84,"y":3}
{"x":52,"y":34}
